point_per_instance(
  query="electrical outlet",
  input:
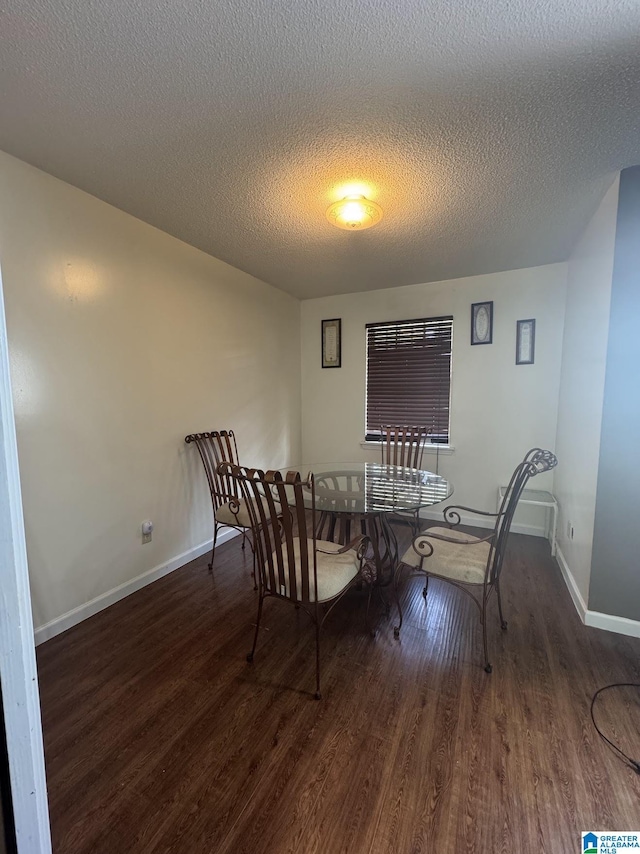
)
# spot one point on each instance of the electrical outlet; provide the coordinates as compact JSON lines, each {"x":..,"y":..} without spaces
{"x":147,"y":531}
{"x":571,"y":535}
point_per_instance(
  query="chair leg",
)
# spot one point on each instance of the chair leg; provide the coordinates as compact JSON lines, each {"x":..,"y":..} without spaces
{"x":426,"y":587}
{"x":383,"y":600}
{"x":255,"y":637}
{"x":213,"y":550}
{"x":367,"y":622}
{"x":253,"y":571}
{"x":318,"y":695}
{"x":253,"y":557}
{"x":396,"y":578}
{"x":322,"y":518}
{"x":487,"y":666}
{"x":415,"y":524}
{"x":503,"y":622}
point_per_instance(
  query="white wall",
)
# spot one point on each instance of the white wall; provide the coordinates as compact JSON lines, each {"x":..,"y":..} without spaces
{"x":122,"y":341}
{"x":499,"y":409}
{"x":584,"y":355}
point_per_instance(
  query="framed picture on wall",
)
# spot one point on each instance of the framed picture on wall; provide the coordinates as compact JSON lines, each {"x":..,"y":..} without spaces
{"x":525,"y":342}
{"x":482,"y":322}
{"x":332,"y":343}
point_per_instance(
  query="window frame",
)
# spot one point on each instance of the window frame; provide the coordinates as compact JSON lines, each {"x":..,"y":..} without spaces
{"x":439,"y":440}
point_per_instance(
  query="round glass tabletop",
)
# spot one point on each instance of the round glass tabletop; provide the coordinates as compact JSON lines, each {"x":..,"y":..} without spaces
{"x":373,"y":487}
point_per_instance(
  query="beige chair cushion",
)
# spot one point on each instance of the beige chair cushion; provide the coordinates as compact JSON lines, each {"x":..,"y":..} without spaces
{"x":335,"y":571}
{"x":224,"y":515}
{"x":465,"y":560}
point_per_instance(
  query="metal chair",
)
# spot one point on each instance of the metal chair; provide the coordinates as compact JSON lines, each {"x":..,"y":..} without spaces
{"x":404,"y":446}
{"x":469,"y":562}
{"x":229,"y":510}
{"x":292,"y":564}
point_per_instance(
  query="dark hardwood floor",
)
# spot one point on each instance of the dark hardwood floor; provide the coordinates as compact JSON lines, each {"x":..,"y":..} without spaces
{"x":159,"y":736}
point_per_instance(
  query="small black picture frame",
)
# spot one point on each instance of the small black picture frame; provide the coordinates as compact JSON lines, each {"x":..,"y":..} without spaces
{"x":525,"y":341}
{"x":482,"y":322}
{"x":332,"y":343}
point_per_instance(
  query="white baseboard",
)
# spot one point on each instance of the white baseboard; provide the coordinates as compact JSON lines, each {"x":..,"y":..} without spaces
{"x":608,"y":622}
{"x":569,"y":580}
{"x":82,"y":612}
{"x":611,"y":623}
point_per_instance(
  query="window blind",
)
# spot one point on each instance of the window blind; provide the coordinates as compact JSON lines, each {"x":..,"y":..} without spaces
{"x":409,"y":375}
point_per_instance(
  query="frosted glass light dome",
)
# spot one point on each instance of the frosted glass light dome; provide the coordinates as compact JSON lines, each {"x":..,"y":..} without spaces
{"x":354,"y":213}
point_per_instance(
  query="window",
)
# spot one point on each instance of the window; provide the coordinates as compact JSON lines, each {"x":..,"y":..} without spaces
{"x":409,"y":375}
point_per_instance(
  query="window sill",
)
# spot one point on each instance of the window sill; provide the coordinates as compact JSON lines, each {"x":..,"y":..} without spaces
{"x":444,"y":450}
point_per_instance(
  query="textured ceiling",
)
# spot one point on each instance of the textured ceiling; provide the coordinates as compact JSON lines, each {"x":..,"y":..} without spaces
{"x":487,"y":130}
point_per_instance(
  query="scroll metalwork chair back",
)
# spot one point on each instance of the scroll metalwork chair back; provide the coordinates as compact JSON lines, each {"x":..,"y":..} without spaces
{"x":404,"y":446}
{"x":338,"y":493}
{"x":215,"y":447}
{"x":292,"y":564}
{"x":470,"y":562}
{"x":535,"y":462}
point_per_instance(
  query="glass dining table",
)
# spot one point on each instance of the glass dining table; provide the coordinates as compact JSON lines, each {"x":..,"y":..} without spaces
{"x":361,"y":497}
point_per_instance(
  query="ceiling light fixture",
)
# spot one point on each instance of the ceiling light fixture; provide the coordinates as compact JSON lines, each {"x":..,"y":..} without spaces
{"x":354,"y":213}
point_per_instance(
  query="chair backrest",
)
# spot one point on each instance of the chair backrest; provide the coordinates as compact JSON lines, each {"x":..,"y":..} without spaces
{"x":403,"y":446}
{"x":278,"y":511}
{"x":536,"y":461}
{"x":215,"y":447}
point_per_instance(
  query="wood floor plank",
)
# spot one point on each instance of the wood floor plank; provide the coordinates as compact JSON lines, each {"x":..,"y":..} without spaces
{"x":160,"y":738}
